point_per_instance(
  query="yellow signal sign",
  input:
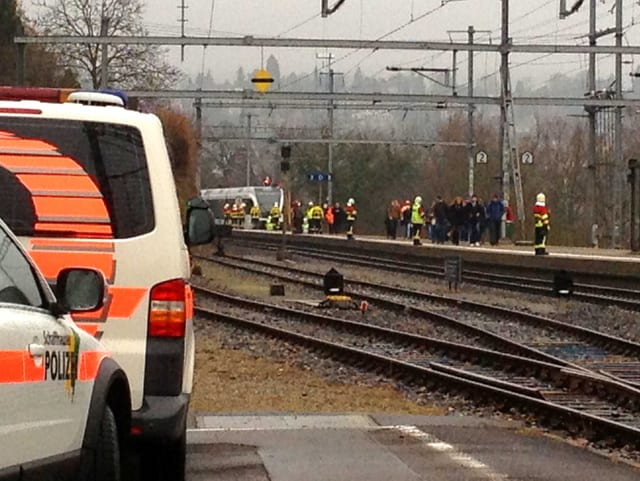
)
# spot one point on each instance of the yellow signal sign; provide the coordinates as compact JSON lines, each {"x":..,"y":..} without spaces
{"x":262,"y":80}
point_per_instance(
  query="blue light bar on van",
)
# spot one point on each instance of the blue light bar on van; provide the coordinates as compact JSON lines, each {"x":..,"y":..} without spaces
{"x":117,"y":93}
{"x":99,"y":97}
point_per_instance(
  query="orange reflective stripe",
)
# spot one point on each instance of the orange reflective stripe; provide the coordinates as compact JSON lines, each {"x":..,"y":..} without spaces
{"x":122,"y":303}
{"x":33,"y":370}
{"x":125,"y":300}
{"x":70,"y":245}
{"x":20,"y":367}
{"x":89,"y":364}
{"x":12,"y":363}
{"x":8,"y":140}
{"x":71,"y":208}
{"x":52,"y":262}
{"x":70,"y":184}
{"x":100,"y":231}
{"x":33,"y":162}
{"x":189,"y":301}
{"x":90,"y":328}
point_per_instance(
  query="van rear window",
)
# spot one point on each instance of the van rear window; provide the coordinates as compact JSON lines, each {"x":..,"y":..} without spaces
{"x":70,"y":178}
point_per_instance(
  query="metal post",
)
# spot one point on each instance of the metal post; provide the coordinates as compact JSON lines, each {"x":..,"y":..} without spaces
{"x":504,"y":67}
{"x":470,"y":159}
{"x":330,"y":145}
{"x":591,"y":111}
{"x":182,"y":21}
{"x":248,"y":147}
{"x":281,"y":253}
{"x":198,"y":107}
{"x":454,"y":69}
{"x":634,"y":221}
{"x":619,"y":168}
{"x":104,"y":24}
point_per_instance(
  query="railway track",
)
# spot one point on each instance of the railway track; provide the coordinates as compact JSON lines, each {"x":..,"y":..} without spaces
{"x":623,"y":297}
{"x":578,"y":401}
{"x":532,"y":336}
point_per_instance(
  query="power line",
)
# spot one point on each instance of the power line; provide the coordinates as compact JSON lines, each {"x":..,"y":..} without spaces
{"x":204,"y":49}
{"x":298,"y":25}
{"x":397,"y":29}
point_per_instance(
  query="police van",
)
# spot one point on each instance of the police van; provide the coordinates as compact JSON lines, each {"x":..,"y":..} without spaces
{"x":85,"y":181}
{"x":65,"y":403}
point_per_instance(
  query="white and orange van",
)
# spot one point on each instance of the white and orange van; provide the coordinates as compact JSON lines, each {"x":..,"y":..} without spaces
{"x":87,"y":182}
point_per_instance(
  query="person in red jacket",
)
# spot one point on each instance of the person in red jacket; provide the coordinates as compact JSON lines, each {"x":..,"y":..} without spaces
{"x":352,"y":214}
{"x":541,"y":222}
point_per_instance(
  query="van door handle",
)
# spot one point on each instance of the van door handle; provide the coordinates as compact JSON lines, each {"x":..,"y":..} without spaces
{"x":36,"y":350}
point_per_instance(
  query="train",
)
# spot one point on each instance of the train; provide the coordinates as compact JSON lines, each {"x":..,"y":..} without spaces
{"x":264,"y":196}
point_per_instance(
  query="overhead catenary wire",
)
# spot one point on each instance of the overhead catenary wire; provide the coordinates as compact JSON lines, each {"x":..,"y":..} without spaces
{"x":204,"y":48}
{"x":298,"y":25}
{"x":349,"y":54}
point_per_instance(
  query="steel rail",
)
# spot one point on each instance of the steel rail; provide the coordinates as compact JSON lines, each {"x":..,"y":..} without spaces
{"x":592,"y":293}
{"x":544,"y":371}
{"x":591,"y":426}
{"x":507,"y":345}
{"x":623,"y":372}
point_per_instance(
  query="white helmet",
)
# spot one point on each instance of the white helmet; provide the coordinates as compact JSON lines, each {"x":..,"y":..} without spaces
{"x":351,"y":201}
{"x":541,"y":198}
{"x":418,"y":199}
{"x":310,"y":203}
{"x":275,"y":204}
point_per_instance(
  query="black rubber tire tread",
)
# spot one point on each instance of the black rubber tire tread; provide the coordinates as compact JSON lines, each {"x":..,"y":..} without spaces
{"x":107,"y":466}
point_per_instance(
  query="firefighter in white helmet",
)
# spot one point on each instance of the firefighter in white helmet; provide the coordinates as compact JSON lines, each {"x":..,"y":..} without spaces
{"x":541,"y":222}
{"x":352,"y":214}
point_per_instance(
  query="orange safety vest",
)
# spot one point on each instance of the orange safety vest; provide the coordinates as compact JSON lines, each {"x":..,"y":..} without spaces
{"x":328,"y":216}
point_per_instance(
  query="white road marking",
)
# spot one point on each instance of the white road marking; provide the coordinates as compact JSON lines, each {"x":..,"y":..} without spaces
{"x":454,"y":454}
{"x":216,"y":424}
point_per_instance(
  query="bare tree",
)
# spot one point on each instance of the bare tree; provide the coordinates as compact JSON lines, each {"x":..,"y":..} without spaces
{"x":128,"y":66}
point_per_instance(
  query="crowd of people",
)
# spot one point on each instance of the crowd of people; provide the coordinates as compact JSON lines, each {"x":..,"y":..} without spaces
{"x":467,"y":220}
{"x":462,"y":220}
{"x":333,"y":219}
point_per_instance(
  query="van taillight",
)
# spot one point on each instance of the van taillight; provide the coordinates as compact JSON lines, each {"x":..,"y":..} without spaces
{"x":167,"y":314}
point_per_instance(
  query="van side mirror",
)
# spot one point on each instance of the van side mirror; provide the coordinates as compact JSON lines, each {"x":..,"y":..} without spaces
{"x":80,"y":290}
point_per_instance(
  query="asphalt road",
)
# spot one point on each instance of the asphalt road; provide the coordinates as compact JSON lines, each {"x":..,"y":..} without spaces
{"x":383,"y":448}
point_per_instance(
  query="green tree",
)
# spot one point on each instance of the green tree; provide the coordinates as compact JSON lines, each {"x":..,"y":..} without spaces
{"x":128,"y":66}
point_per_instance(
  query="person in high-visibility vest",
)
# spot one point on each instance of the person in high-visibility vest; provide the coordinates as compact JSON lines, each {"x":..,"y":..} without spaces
{"x":417,"y":220}
{"x":255,"y":216}
{"x":352,"y":215}
{"x":274,"y":215}
{"x":329,"y":217}
{"x":541,"y":222}
{"x":315,"y":214}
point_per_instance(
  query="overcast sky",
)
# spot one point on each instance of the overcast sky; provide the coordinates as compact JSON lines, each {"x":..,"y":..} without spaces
{"x":532,"y":21}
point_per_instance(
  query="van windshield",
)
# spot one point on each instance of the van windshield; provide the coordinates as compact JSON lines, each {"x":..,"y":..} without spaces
{"x":71,"y":178}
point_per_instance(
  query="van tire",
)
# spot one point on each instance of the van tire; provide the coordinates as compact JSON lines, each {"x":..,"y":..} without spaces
{"x":107,"y":460}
